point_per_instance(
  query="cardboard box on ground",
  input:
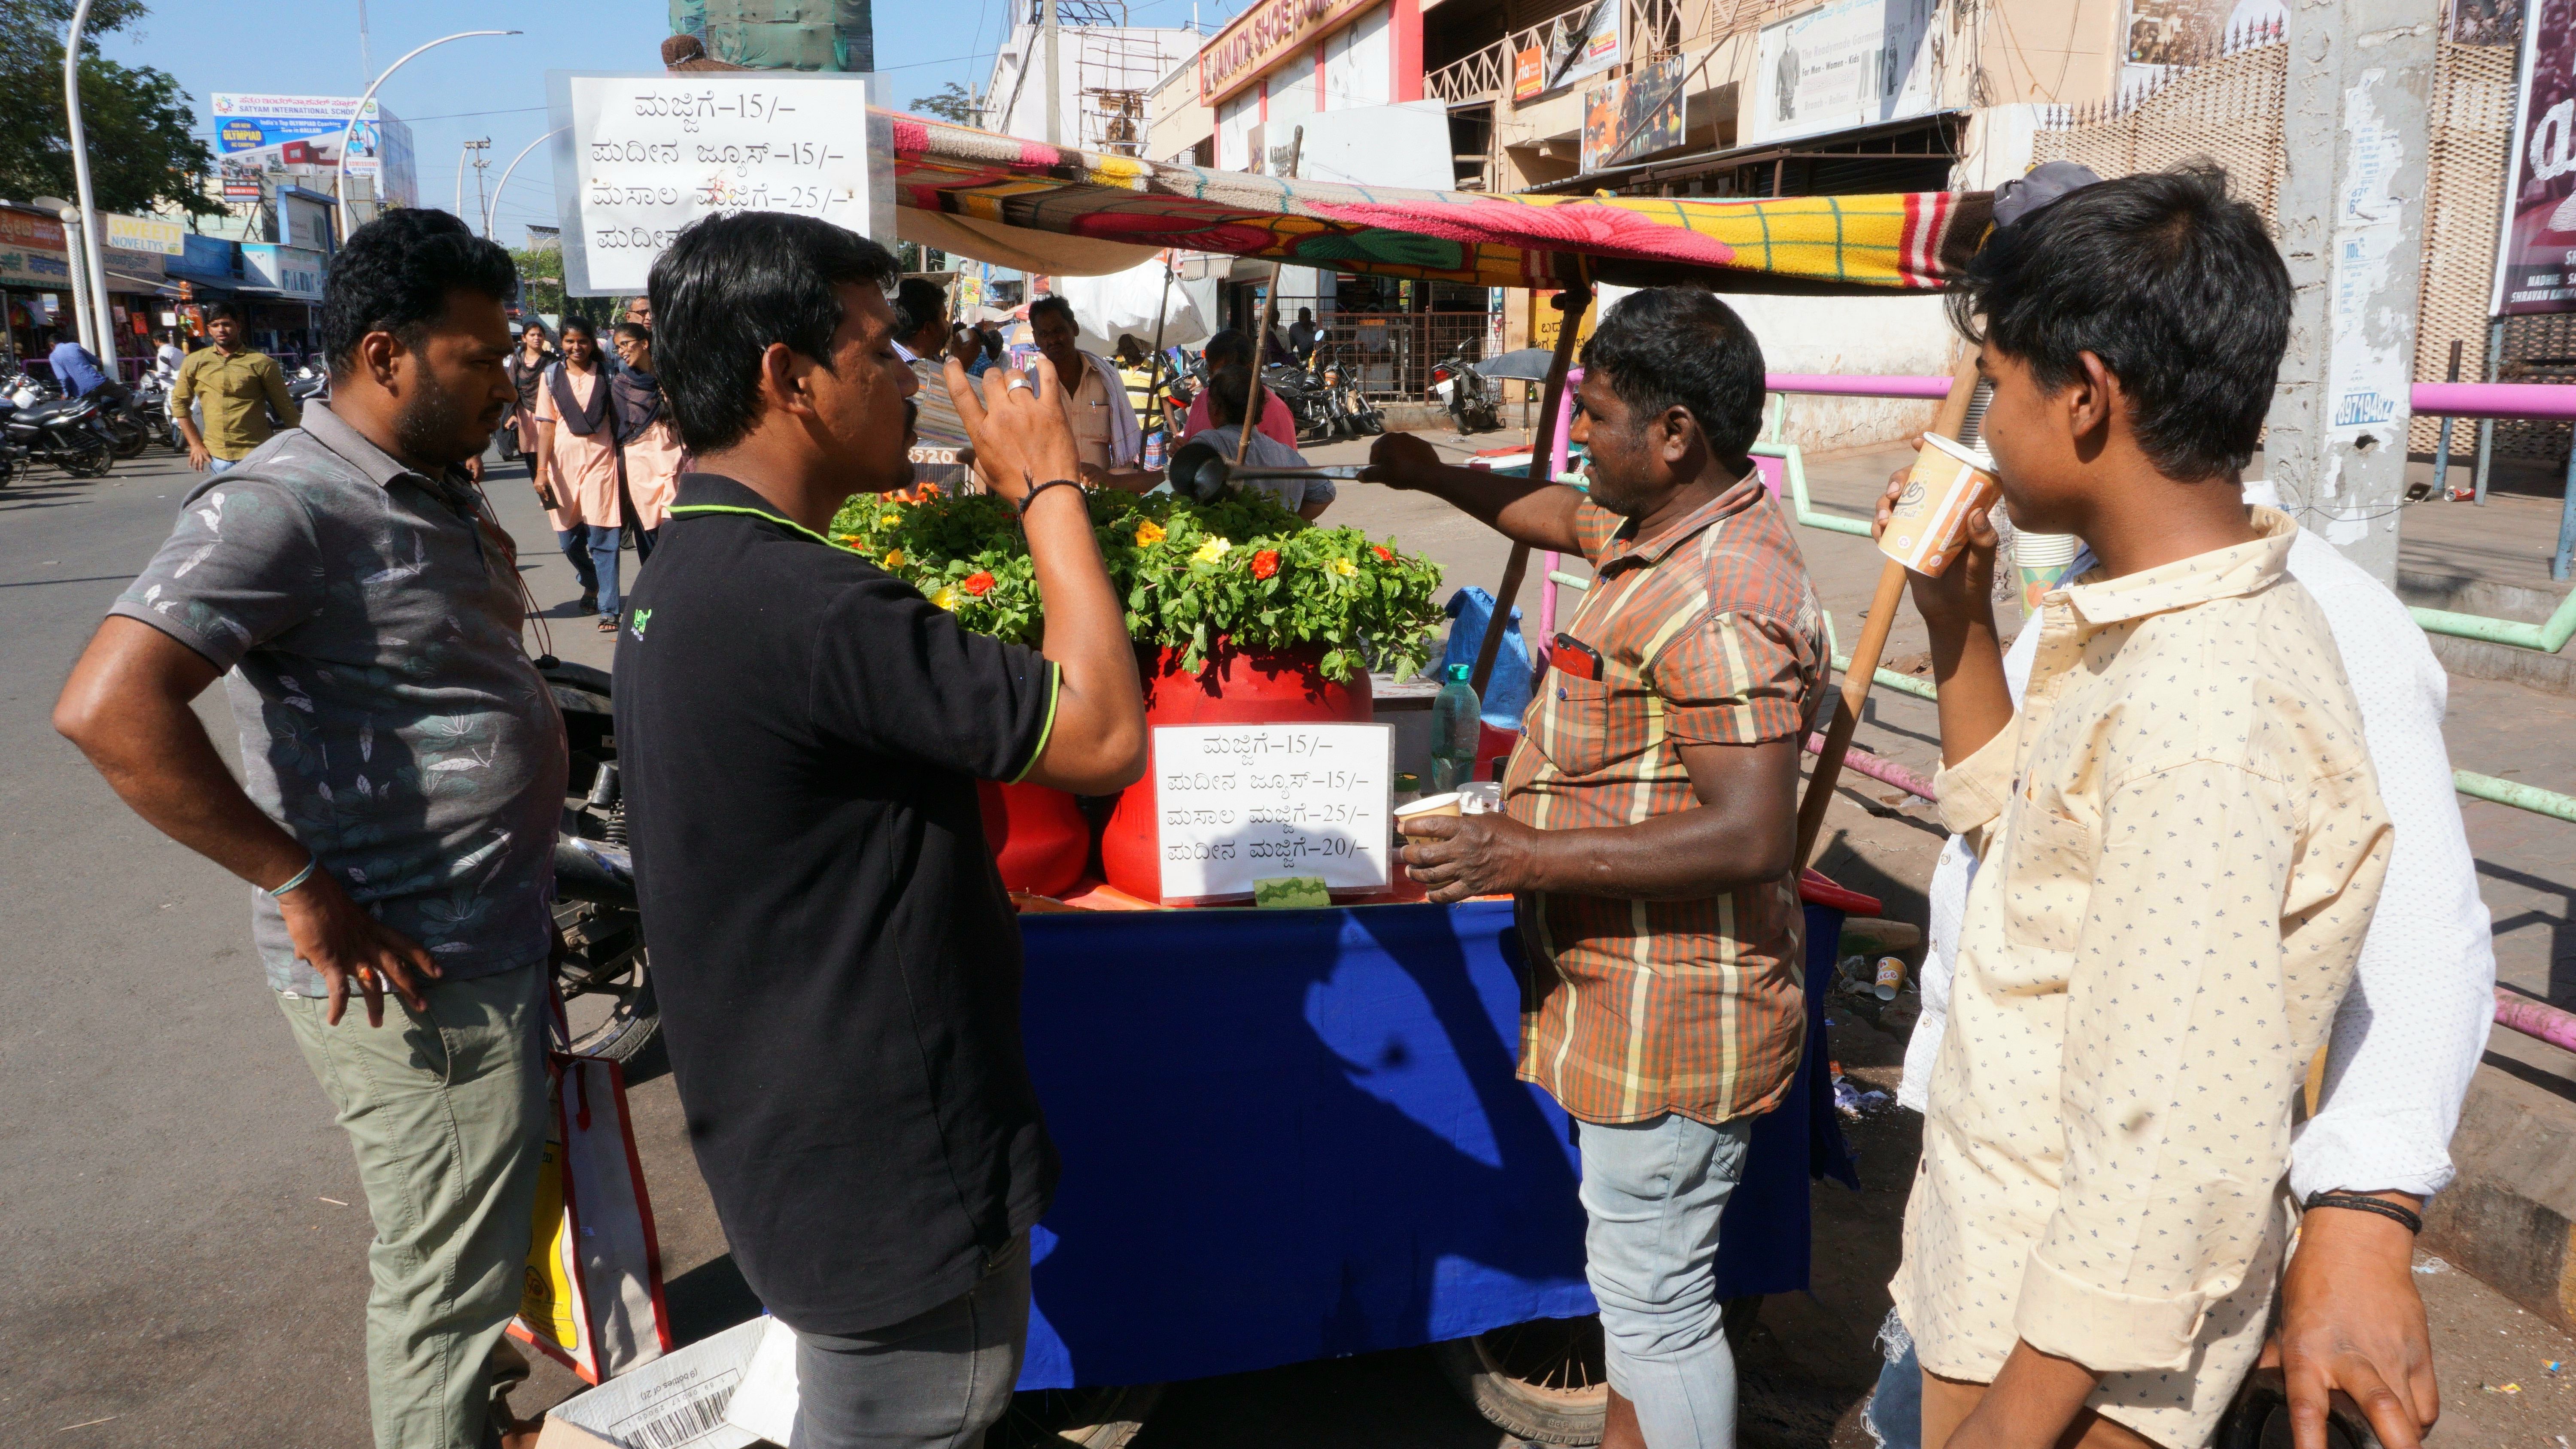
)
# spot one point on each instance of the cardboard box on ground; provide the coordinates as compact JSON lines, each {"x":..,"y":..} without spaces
{"x":735,"y":1389}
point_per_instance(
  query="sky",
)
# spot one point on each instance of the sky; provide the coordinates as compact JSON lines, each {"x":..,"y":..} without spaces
{"x":495,"y":86}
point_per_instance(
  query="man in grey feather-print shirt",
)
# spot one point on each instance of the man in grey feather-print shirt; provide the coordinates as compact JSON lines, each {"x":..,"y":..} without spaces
{"x":403,"y":769}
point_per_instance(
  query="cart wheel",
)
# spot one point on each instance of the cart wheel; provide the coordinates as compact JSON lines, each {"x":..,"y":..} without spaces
{"x":1075,"y":1418}
{"x":1545,"y":1381}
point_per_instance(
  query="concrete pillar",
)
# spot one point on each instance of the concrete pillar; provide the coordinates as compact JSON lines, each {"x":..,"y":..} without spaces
{"x":2352,"y":217}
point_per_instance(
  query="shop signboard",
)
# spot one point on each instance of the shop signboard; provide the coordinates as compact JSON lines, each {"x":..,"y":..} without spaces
{"x":1574,"y":46}
{"x":31,"y":251}
{"x":2536,"y":264}
{"x":256,"y":133}
{"x":295,"y":272}
{"x":1262,"y":36}
{"x":1634,"y":116}
{"x":637,"y":157}
{"x":1845,"y":64}
{"x":155,"y":234}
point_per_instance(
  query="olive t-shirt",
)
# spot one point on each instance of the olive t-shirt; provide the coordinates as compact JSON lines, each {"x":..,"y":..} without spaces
{"x":838,"y":963}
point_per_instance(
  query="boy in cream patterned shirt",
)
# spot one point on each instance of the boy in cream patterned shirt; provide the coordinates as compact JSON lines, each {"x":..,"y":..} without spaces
{"x":2180,"y":842}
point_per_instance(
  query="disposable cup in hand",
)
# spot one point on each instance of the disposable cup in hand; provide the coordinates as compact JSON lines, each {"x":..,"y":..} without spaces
{"x":1928,"y":525}
{"x":1425,"y":808}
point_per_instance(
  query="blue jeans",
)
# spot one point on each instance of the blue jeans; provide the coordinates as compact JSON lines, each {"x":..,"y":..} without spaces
{"x":1653,"y":1192}
{"x":216,"y":465}
{"x":593,"y":551}
{"x":1894,"y":1413}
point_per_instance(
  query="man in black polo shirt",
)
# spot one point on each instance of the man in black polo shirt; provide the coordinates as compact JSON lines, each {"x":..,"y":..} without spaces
{"x":837,"y":960}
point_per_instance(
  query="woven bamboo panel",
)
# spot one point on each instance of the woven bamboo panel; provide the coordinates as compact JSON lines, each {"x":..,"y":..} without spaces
{"x":2472,"y":127}
{"x":2229,"y":109}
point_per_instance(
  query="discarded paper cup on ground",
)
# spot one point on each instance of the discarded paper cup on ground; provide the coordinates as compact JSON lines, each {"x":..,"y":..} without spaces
{"x":1891,"y":978}
{"x":1425,"y":808}
{"x":1930,"y":519}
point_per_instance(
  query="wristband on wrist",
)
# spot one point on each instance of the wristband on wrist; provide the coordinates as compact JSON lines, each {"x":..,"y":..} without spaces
{"x":297,"y":879}
{"x":2413,"y":1222}
{"x":1032,"y":497}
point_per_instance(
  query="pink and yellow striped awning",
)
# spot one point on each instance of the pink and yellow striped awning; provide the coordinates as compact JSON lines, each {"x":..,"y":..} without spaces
{"x":1049,"y":209}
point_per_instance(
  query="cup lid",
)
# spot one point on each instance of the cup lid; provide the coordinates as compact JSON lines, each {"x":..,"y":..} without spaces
{"x":1973,"y":454}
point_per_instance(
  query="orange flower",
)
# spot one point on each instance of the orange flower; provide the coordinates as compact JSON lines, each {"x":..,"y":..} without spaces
{"x":1265,"y":563}
{"x":978,"y":584}
{"x":1384,"y":554}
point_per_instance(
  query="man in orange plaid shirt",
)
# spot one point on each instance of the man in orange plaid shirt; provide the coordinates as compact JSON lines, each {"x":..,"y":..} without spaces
{"x":1650,"y":814}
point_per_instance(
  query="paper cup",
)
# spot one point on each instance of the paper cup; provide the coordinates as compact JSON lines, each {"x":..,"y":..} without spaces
{"x":2041,"y":559}
{"x":1948,"y":483}
{"x":1425,"y":808}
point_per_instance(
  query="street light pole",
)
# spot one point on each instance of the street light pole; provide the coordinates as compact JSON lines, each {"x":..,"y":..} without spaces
{"x":340,"y":171}
{"x":102,"y":320}
{"x":489,"y":218}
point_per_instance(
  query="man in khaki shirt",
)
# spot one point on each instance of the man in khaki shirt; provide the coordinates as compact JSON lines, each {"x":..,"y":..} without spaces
{"x":237,"y":387}
{"x":1106,"y":435}
{"x":2180,"y":844}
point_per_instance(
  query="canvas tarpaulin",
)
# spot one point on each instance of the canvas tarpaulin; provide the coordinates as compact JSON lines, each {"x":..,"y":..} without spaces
{"x":1058,"y":211}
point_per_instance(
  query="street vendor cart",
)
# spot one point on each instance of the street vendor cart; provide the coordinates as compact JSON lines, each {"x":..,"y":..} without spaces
{"x":1292,"y":1134}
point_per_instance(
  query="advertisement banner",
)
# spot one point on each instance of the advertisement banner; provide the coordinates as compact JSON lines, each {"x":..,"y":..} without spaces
{"x":1635,"y":116}
{"x":640,"y":156}
{"x":2536,"y":265}
{"x":1574,"y":46}
{"x":1845,"y":64}
{"x":256,"y":133}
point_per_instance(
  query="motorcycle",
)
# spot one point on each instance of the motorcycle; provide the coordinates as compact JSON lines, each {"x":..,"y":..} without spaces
{"x":308,"y":383}
{"x":1359,"y":418}
{"x":595,"y":879}
{"x":1308,"y":402}
{"x":1468,"y":395}
{"x":154,"y":394}
{"x":66,"y":432}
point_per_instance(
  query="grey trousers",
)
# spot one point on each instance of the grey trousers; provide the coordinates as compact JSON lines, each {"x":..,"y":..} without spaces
{"x":936,"y":1381}
{"x":446,"y":1111}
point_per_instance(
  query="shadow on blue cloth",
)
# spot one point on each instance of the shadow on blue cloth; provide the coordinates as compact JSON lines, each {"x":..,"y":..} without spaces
{"x":1292,"y":1135}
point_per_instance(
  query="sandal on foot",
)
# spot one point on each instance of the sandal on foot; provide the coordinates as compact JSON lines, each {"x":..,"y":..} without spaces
{"x":608,"y":626}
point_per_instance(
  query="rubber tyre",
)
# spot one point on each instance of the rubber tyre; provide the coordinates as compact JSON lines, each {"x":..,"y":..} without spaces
{"x":91,"y":462}
{"x":1098,"y":1418}
{"x":132,"y":437}
{"x":1550,"y":1405}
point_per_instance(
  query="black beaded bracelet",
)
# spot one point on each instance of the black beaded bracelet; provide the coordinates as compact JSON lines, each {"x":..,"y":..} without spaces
{"x":1032,"y":498}
{"x":2355,"y":1201}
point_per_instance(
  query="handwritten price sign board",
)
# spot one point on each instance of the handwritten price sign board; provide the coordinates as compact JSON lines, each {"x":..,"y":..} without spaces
{"x":1245,"y":803}
{"x":638,"y":157}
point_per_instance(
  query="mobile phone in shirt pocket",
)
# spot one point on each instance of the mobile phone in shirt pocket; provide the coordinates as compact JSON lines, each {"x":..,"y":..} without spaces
{"x":1574,"y":726}
{"x":2048,"y":878}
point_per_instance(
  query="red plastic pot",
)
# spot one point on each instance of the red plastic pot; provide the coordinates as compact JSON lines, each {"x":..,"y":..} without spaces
{"x":1038,"y":836}
{"x":1238,"y":686}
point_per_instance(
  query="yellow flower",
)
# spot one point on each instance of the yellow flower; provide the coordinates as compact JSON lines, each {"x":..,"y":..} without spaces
{"x":1345,"y":567}
{"x":889,"y":520}
{"x":894,"y":558}
{"x":946,"y":598}
{"x":851,"y":538}
{"x":1212,"y":550}
{"x":1148,"y":532}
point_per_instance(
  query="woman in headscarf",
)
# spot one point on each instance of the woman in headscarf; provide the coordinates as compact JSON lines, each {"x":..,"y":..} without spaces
{"x":580,"y":447}
{"x":645,"y":431}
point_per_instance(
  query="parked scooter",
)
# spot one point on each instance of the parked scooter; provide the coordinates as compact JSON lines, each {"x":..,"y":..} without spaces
{"x":66,"y":432}
{"x":1469,"y":395}
{"x":1356,"y":416}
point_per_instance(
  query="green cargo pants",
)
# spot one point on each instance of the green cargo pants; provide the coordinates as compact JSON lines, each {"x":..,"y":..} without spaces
{"x":446,"y":1110}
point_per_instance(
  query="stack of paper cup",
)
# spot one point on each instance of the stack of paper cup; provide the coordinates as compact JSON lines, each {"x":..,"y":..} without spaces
{"x":2042,"y":558}
{"x":1949,"y":482}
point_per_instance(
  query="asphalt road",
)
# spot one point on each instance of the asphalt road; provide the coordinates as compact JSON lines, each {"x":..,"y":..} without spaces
{"x":182,"y":1239}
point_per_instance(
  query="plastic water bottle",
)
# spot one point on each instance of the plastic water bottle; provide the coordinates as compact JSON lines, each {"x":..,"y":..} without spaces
{"x":1455,"y":725}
